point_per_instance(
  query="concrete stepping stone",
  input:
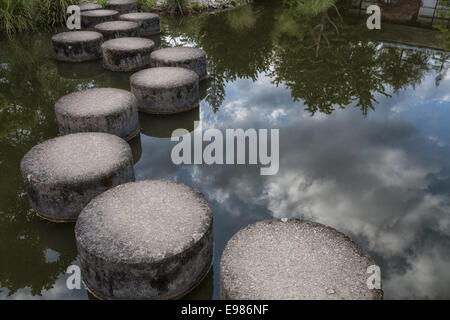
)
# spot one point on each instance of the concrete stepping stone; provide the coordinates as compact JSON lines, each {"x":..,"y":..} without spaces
{"x":89,"y":19}
{"x":127,"y":54}
{"x":148,"y":22}
{"x":89,"y":6}
{"x":145,"y":240}
{"x":123,"y":6}
{"x":165,"y":90}
{"x":118,"y":29}
{"x":294,"y":259}
{"x":77,"y":46}
{"x":63,"y":174}
{"x":106,"y":110}
{"x":190,"y":58}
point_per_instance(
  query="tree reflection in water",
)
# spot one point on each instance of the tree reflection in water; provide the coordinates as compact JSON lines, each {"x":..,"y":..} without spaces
{"x":326,"y":64}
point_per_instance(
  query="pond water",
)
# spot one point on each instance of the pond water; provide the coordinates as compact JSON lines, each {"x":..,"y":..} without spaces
{"x":364,"y":144}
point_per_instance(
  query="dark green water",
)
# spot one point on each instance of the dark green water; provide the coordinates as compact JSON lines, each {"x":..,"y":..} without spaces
{"x":364,"y":144}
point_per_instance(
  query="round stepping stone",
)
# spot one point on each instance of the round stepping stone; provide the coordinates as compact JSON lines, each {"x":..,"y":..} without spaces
{"x":63,"y":174}
{"x":89,"y":19}
{"x":89,"y":6}
{"x":106,"y":110}
{"x":165,"y":90}
{"x":77,"y":46}
{"x":190,"y":58}
{"x":294,"y":259}
{"x":127,"y":54}
{"x":123,"y":6}
{"x":149,"y":22}
{"x":145,"y":240}
{"x":118,"y":29}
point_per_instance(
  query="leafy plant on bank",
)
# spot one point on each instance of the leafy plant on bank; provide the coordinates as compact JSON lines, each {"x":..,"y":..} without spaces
{"x":103,"y":3}
{"x":146,"y":5}
{"x":51,"y":14}
{"x":444,"y":27}
{"x":177,"y":7}
{"x":32,"y":15}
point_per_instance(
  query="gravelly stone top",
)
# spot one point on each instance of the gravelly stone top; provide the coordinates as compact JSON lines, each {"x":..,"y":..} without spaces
{"x":163,"y":77}
{"x":143,"y":222}
{"x":99,"y":13}
{"x":129,"y":44}
{"x":97,"y":101}
{"x":139,"y":15}
{"x":178,"y":54}
{"x":89,"y":6}
{"x":77,"y":36}
{"x":76,"y":158}
{"x":116,"y":25}
{"x":121,"y":1}
{"x":294,"y":260}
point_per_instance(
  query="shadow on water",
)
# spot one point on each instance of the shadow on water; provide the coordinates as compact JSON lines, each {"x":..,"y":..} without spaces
{"x":136,"y":148}
{"x":277,"y":59}
{"x":80,"y":71}
{"x":162,"y":126}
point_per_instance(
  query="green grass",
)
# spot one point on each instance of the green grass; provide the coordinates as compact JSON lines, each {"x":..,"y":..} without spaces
{"x":32,"y":15}
{"x":15,"y":16}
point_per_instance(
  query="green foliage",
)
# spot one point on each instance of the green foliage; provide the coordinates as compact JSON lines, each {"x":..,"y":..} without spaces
{"x":308,"y":7}
{"x":197,"y":7}
{"x":52,"y":13}
{"x":27,"y":15}
{"x":15,"y":16}
{"x":104,"y":3}
{"x":444,"y":12}
{"x":177,"y":6}
{"x":146,"y":5}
